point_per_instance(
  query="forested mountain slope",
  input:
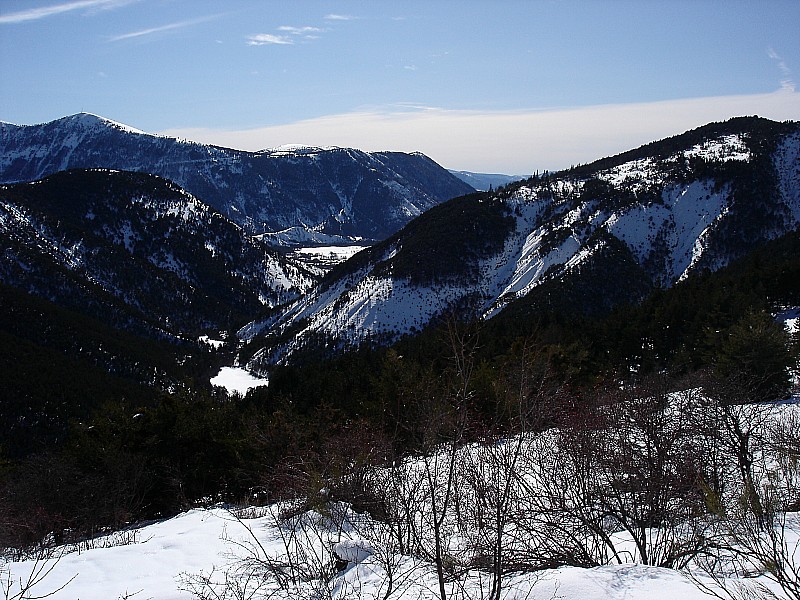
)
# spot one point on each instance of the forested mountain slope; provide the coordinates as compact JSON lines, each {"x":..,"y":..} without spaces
{"x":610,"y":232}
{"x":139,"y":252}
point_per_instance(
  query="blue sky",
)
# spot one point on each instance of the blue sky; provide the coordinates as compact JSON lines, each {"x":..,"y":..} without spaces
{"x":493,"y":86}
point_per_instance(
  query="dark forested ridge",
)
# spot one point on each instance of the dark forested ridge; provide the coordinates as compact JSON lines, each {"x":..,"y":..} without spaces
{"x":59,"y":365}
{"x":139,"y":252}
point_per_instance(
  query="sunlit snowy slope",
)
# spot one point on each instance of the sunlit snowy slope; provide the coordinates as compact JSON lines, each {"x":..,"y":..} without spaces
{"x":619,"y":227}
{"x":162,"y":558}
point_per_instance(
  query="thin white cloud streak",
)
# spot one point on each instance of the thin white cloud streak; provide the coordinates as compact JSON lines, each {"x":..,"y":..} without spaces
{"x":160,"y":29}
{"x":264,"y":39}
{"x":34,"y":14}
{"x":333,"y":17}
{"x":514,"y":142}
{"x":304,"y":33}
{"x":787,"y":83}
{"x":299,"y":30}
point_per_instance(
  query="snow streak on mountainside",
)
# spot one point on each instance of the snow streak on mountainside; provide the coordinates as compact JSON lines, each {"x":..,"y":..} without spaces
{"x":334,"y":190}
{"x":647,"y":218}
{"x":86,"y":238}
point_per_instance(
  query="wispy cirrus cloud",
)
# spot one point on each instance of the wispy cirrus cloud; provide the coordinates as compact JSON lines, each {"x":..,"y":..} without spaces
{"x":333,"y":17}
{"x":266,"y":39}
{"x":787,"y":82}
{"x":288,"y":36}
{"x":42,"y":12}
{"x":161,"y":28}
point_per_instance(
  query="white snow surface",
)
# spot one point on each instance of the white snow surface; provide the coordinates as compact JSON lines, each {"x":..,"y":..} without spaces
{"x":297,"y":149}
{"x":321,"y":259}
{"x":342,"y":252}
{"x":165,"y":555}
{"x":211,"y":342}
{"x":91,"y":119}
{"x":236,"y":379}
{"x":790,"y":318}
{"x":682,"y":221}
{"x":298,"y":236}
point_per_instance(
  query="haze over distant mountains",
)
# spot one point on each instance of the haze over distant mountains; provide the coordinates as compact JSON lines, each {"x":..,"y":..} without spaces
{"x":484,"y":182}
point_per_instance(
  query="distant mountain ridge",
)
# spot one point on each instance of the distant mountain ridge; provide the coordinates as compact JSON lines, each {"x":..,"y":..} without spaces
{"x":150,"y":257}
{"x":339,"y":191}
{"x":590,"y":237}
{"x":483,"y":182}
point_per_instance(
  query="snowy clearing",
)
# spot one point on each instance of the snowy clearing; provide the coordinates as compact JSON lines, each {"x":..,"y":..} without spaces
{"x":211,"y":342}
{"x":236,"y":379}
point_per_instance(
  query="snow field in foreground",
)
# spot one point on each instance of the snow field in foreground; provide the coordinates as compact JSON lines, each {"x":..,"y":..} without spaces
{"x":197,"y":541}
{"x":290,"y":549}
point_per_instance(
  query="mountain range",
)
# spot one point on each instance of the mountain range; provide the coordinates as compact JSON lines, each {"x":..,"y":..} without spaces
{"x":196,"y":246}
{"x":616,"y":303}
{"x":334,"y":191}
{"x":587,"y":238}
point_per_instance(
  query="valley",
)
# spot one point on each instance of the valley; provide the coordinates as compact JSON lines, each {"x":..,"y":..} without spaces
{"x":351,"y":374}
{"x":357,"y":300}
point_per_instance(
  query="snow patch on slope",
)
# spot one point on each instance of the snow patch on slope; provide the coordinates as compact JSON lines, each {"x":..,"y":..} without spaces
{"x":725,"y":148}
{"x":677,"y":225}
